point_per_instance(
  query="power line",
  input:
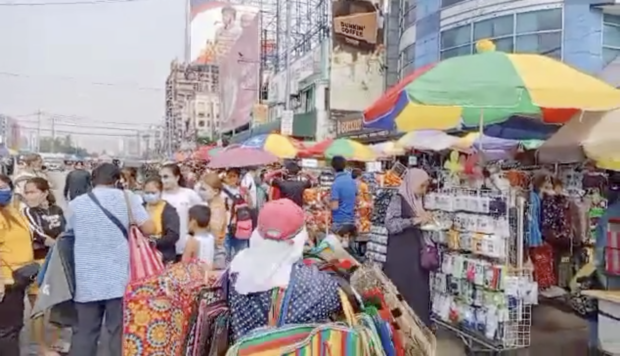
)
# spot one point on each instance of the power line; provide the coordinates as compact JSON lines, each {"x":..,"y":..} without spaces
{"x":68,"y":3}
{"x":95,"y":83}
{"x":63,"y":132}
{"x":87,"y":126}
{"x":78,"y":120}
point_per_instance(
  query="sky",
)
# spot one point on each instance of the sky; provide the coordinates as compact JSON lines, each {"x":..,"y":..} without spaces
{"x":54,"y":54}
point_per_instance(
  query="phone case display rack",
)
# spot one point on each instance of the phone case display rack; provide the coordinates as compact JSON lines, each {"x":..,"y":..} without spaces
{"x":482,"y":291}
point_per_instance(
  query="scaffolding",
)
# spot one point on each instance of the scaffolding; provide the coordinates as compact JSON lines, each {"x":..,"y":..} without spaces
{"x":310,"y":24}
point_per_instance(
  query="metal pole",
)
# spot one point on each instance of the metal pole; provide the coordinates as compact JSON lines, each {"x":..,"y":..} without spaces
{"x":188,"y":33}
{"x":39,"y":131}
{"x":288,"y":49}
{"x":53,"y":148}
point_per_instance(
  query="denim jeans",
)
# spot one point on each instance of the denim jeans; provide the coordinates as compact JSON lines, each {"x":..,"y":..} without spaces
{"x":11,"y":320}
{"x":234,"y":245}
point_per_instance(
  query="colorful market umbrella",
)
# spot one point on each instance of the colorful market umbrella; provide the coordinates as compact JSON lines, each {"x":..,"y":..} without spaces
{"x":490,"y":87}
{"x":239,"y":157}
{"x":591,"y":135}
{"x":279,"y":145}
{"x":429,"y":140}
{"x":349,"y":149}
{"x":386,"y":149}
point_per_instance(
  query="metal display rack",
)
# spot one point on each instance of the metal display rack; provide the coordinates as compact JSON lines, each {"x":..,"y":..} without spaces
{"x":514,"y":329}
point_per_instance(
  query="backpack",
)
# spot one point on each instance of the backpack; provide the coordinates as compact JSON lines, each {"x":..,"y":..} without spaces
{"x":242,"y":217}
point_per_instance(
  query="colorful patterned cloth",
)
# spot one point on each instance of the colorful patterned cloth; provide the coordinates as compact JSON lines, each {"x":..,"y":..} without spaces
{"x":314,"y":299}
{"x":158,"y":311}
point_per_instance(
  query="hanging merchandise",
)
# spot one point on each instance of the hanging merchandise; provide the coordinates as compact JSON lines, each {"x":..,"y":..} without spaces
{"x":482,"y":289}
{"x":376,"y":248}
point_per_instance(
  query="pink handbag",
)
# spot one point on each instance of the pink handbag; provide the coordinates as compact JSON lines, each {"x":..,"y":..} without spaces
{"x":144,"y":259}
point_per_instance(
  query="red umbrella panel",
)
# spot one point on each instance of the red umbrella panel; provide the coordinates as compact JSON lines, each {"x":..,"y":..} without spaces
{"x":317,"y":149}
{"x":242,"y":157}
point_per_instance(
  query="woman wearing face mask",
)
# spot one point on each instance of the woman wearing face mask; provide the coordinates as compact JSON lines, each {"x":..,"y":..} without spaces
{"x":181,"y":198}
{"x":16,"y":255}
{"x":165,"y":218}
{"x":47,"y":222}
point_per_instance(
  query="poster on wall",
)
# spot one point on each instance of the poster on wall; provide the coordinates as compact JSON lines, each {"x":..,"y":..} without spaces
{"x":357,"y":55}
{"x":215,"y":27}
{"x":239,"y":78}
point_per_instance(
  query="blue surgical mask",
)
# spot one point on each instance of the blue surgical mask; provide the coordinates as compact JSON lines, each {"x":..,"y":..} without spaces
{"x":6,"y":195}
{"x":151,"y":198}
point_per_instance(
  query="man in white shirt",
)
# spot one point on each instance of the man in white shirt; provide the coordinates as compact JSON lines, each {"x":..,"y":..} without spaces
{"x":249,"y":183}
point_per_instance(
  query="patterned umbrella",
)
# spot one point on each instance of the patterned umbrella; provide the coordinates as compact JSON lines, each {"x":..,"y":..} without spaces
{"x":279,"y":145}
{"x":458,"y":91}
{"x":349,"y":149}
{"x":239,"y":157}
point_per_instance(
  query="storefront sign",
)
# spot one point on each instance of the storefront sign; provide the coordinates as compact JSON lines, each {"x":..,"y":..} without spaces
{"x":353,"y":127}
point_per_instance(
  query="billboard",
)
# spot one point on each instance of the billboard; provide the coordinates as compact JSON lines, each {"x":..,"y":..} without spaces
{"x":215,"y":27}
{"x":357,"y":54}
{"x":239,"y":78}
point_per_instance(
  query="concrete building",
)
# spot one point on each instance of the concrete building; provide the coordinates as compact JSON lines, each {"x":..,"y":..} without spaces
{"x":583,"y":33}
{"x":10,"y":132}
{"x":205,"y":111}
{"x":182,"y":85}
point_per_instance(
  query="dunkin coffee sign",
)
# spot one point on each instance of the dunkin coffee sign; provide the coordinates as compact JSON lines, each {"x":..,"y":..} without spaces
{"x":358,"y":54}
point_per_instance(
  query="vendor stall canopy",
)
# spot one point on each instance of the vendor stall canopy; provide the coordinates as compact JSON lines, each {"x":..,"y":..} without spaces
{"x":488,"y":88}
{"x":591,"y":135}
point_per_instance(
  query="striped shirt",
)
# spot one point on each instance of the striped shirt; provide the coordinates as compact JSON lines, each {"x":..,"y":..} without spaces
{"x":101,"y":249}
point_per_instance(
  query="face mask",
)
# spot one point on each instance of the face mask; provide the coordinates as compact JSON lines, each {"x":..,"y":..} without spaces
{"x":6,"y":195}
{"x":151,"y":198}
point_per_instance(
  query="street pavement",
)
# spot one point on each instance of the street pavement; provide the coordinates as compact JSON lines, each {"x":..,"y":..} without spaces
{"x":553,"y":331}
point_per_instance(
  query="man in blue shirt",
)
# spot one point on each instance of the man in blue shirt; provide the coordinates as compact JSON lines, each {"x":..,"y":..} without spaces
{"x":343,"y":197}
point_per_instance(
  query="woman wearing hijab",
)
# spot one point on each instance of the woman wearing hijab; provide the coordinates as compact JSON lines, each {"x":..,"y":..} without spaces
{"x":276,"y":246}
{"x":404,"y":216}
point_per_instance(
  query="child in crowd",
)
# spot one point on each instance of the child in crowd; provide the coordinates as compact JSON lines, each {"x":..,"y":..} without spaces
{"x":201,"y":244}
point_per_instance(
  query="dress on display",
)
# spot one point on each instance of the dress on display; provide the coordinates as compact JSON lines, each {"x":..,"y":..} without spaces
{"x":403,"y":265}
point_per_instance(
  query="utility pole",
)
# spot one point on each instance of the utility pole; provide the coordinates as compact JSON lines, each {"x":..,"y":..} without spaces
{"x":53,"y":148}
{"x":38,"y":131}
{"x":288,"y":49}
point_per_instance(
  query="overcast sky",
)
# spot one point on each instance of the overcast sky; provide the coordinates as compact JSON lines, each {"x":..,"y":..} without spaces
{"x":59,"y":51}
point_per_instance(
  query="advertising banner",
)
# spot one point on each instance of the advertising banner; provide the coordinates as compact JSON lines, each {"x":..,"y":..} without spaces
{"x":239,"y":77}
{"x":357,"y":55}
{"x":215,"y":27}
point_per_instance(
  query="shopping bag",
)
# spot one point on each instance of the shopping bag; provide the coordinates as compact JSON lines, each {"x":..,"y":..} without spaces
{"x":158,"y":310}
{"x":209,"y":330}
{"x":310,"y":339}
{"x":144,"y":259}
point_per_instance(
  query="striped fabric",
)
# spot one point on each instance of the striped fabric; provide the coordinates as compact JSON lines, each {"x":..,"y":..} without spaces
{"x":101,"y":250}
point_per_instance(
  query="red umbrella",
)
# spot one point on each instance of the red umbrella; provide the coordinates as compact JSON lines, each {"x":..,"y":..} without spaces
{"x":202,"y":153}
{"x":317,"y":149}
{"x":242,"y":157}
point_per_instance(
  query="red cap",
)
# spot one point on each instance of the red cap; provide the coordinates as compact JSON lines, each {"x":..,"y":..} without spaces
{"x":280,"y":219}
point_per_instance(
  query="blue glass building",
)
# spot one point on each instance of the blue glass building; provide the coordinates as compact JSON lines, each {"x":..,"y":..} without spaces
{"x":583,"y":33}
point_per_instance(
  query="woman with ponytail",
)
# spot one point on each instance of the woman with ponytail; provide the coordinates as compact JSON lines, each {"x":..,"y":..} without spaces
{"x":46,"y":221}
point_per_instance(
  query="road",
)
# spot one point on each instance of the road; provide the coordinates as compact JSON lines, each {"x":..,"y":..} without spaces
{"x":553,"y":331}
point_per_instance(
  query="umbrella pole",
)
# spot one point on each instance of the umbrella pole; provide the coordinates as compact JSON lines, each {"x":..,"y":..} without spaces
{"x":481,"y":127}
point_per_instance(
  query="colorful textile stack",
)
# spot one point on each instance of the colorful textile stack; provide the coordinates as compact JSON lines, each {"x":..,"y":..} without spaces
{"x":158,"y":310}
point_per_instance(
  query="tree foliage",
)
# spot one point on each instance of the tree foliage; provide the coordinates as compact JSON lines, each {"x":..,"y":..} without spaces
{"x":61,"y":145}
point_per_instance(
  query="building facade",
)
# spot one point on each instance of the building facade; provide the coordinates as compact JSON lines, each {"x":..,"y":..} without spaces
{"x":10,"y":132}
{"x":205,"y":111}
{"x":583,"y":33}
{"x":183,"y":84}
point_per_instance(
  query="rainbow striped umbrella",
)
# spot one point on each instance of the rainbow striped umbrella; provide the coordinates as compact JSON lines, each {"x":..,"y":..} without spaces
{"x":349,"y":149}
{"x":489,"y":87}
{"x":276,"y":144}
